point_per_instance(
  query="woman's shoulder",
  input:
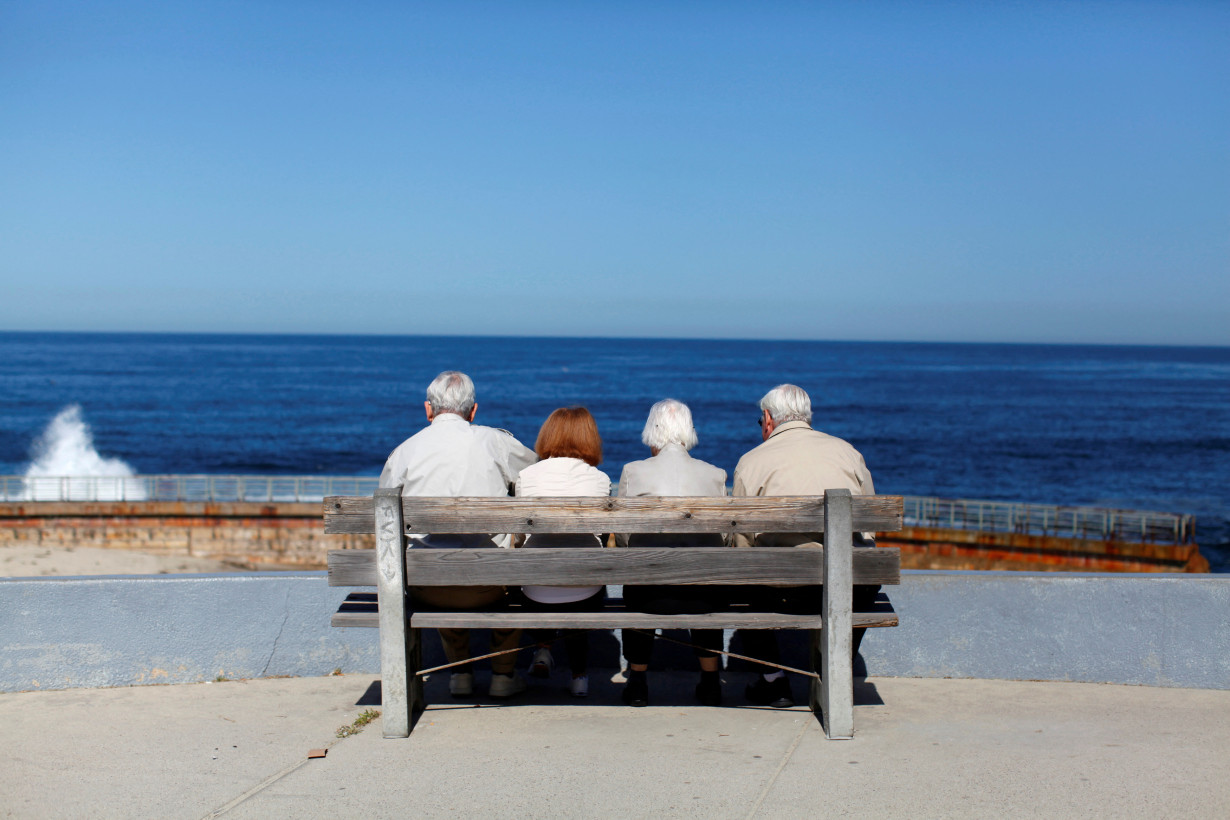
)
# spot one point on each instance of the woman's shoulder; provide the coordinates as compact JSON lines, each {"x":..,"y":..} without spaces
{"x":695,"y":464}
{"x":564,"y":466}
{"x":598,"y":474}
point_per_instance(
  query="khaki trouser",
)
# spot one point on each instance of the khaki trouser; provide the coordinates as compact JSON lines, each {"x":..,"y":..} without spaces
{"x":457,"y":641}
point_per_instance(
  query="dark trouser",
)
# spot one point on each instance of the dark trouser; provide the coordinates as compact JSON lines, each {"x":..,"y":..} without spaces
{"x":762,"y":643}
{"x":673,"y":600}
{"x":457,"y":641}
{"x":576,"y":641}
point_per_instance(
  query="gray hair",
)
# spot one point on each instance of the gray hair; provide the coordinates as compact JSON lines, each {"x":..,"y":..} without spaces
{"x":451,"y":392}
{"x":669,"y":422}
{"x":787,"y":402}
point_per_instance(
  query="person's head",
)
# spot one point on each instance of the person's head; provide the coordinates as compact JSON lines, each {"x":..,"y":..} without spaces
{"x":669,"y":422}
{"x":784,"y":403}
{"x":451,"y":392}
{"x":570,"y":432}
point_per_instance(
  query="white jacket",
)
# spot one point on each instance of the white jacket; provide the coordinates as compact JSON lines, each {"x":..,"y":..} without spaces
{"x":562,"y":478}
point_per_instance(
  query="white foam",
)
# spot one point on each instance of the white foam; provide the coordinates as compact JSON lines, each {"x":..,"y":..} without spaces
{"x":66,"y":467}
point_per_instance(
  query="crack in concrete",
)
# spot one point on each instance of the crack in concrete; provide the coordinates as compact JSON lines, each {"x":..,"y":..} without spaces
{"x":768,"y":786}
{"x":281,"y":628}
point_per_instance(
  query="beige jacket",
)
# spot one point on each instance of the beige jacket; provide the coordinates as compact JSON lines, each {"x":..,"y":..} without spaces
{"x":797,"y":460}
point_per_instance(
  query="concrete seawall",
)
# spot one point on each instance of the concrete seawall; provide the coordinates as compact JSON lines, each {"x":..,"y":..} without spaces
{"x":255,"y":535}
{"x":1155,"y":630}
{"x":290,"y":535}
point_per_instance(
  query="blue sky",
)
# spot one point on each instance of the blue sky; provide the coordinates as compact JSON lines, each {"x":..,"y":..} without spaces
{"x":1020,"y":172}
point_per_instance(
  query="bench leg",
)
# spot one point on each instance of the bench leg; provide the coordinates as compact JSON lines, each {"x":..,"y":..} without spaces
{"x":836,"y":695}
{"x":397,"y":646}
{"x":397,"y":679}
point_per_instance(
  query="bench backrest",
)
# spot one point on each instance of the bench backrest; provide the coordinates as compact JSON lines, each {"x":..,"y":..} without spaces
{"x":868,"y":513}
{"x":472,"y":567}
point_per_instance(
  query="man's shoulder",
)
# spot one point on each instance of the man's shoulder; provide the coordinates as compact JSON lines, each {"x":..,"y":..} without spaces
{"x":836,"y":442}
{"x":408,"y":443}
{"x":794,"y":435}
{"x":501,"y":443}
{"x":494,"y":432}
{"x":785,"y":443}
{"x":758,"y":452}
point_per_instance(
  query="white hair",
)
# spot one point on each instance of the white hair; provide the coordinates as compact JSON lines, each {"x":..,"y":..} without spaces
{"x":451,"y":392}
{"x":669,"y":422}
{"x":787,"y":402}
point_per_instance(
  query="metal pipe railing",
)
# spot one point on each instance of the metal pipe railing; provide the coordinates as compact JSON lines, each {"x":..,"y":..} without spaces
{"x":1043,"y":519}
{"x":183,"y":488}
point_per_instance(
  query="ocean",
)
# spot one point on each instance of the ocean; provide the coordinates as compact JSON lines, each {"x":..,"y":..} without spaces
{"x":1129,"y":427}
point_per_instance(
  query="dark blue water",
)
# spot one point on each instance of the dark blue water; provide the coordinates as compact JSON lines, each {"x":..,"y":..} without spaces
{"x":1131,"y":427}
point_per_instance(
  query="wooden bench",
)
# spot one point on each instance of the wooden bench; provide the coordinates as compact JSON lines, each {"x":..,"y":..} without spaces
{"x":391,"y":566}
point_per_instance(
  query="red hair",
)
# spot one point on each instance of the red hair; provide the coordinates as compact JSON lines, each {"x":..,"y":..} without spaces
{"x":570,"y":432}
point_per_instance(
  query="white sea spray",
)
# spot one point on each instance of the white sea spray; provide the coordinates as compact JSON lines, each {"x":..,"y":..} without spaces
{"x":66,"y":466}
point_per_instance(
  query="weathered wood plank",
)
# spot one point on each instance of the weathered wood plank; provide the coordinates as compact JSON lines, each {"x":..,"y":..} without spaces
{"x":636,"y":620}
{"x":580,"y":567}
{"x":355,"y":619}
{"x":351,"y":524}
{"x":352,"y":568}
{"x":361,"y":610}
{"x":352,"y":514}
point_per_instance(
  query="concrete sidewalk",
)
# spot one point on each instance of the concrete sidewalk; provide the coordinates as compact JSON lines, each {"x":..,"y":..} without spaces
{"x":923,"y":748}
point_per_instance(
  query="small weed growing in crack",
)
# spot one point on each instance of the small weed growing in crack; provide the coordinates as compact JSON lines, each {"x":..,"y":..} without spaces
{"x":365,"y":717}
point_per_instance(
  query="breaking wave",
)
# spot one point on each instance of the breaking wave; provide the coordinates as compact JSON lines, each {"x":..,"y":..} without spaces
{"x":65,"y":466}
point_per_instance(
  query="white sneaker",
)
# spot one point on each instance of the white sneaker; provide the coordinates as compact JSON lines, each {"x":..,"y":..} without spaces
{"x":505,"y":686}
{"x":461,"y":684}
{"x":580,"y":687}
{"x":542,"y":664}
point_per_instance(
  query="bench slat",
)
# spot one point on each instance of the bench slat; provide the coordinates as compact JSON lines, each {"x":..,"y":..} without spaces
{"x":635,"y":620}
{"x":363,"y":612}
{"x":354,"y":514}
{"x":582,"y":567}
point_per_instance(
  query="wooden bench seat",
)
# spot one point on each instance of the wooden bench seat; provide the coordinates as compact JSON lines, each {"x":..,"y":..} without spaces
{"x":391,"y":567}
{"x":360,"y":609}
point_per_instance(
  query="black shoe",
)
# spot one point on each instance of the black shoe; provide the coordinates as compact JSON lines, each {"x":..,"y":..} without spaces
{"x":636,"y":693}
{"x":709,"y":692}
{"x":775,"y":693}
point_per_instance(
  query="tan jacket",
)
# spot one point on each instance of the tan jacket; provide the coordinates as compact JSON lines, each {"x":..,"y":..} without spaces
{"x":797,"y":460}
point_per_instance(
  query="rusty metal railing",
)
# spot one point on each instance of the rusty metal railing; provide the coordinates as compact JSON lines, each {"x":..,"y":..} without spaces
{"x":1097,"y":523}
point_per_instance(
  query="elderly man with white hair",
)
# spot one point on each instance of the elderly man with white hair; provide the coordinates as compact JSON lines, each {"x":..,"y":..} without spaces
{"x":793,"y":459}
{"x":452,"y":456}
{"x":671,"y":471}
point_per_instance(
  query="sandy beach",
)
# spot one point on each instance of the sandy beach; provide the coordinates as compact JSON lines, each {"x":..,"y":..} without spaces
{"x":29,"y":560}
